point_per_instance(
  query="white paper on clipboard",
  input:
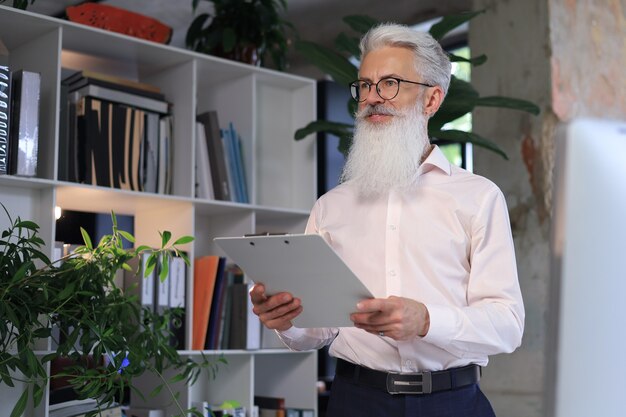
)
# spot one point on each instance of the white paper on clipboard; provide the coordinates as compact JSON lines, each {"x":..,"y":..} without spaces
{"x":305,"y":266}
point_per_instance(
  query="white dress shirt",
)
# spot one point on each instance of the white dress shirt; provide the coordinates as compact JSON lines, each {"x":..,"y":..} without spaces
{"x":446,"y":243}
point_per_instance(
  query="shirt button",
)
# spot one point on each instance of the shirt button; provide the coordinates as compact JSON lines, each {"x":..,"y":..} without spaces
{"x":392,"y":227}
{"x":407,"y":363}
{"x":392,"y":272}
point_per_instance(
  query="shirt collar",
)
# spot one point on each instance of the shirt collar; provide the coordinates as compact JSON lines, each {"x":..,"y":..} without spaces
{"x":435,"y":159}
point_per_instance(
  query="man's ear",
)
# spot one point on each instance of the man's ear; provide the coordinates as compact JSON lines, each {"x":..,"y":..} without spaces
{"x":433,"y":97}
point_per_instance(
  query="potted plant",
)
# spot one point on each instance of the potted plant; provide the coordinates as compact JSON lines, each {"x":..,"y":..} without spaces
{"x":461,"y":99}
{"x":104,"y":333}
{"x":249,"y":31}
{"x":20,"y":4}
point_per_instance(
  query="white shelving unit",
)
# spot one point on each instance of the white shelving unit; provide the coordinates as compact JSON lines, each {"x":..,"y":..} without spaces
{"x":266,"y":108}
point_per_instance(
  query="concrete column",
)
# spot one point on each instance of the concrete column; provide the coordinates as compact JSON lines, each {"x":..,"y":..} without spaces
{"x":569,"y":57}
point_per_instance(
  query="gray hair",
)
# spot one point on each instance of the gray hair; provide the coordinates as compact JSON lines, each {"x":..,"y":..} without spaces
{"x":430,"y":59}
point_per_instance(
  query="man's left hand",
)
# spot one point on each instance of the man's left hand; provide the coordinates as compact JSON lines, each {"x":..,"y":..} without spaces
{"x":396,"y":317}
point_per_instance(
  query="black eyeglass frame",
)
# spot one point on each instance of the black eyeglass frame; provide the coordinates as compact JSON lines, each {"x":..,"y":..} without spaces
{"x":369,"y":87}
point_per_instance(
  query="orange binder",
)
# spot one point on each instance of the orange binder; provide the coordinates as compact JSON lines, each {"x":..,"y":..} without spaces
{"x":205,"y":271}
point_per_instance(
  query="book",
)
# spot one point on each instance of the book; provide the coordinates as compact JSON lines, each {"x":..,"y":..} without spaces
{"x":219,"y":174}
{"x":144,"y":412}
{"x":150,"y":152}
{"x":115,"y":411}
{"x":162,"y":288}
{"x":203,"y":181}
{"x":242,"y":182}
{"x":136,"y":283}
{"x":245,"y":327}
{"x":178,"y":281}
{"x":164,"y":166}
{"x":72,"y":408}
{"x":271,"y":412}
{"x":24,"y":130}
{"x":229,"y":163}
{"x":299,"y":412}
{"x":226,"y":409}
{"x":235,"y":163}
{"x":214,"y":314}
{"x":5,"y":104}
{"x":85,"y":77}
{"x":64,"y":133}
{"x":232,"y":274}
{"x":205,"y":272}
{"x":122,"y":97}
{"x":264,"y":401}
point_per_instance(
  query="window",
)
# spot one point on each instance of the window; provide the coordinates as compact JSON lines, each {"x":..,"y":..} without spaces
{"x":460,"y":153}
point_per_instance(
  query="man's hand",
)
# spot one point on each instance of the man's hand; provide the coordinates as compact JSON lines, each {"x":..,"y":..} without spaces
{"x":397,"y":317}
{"x":276,"y":311}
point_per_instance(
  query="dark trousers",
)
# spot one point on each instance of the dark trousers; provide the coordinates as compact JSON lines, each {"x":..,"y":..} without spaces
{"x":350,"y":400}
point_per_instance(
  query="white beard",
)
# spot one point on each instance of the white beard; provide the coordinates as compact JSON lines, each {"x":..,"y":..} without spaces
{"x":386,"y":155}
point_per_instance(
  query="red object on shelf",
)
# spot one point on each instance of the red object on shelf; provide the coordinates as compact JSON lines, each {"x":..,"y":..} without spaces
{"x":120,"y":21}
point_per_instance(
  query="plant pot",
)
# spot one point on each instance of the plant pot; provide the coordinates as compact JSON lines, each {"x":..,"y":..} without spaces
{"x":248,"y":54}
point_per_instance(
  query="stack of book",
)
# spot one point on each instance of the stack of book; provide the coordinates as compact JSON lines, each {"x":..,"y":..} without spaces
{"x":275,"y":407}
{"x":19,"y":119}
{"x":222,"y":312}
{"x":220,"y":172}
{"x":157,"y":296}
{"x":115,"y":133}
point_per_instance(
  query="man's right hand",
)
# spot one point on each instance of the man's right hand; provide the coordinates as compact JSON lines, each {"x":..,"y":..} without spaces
{"x":275,"y":311}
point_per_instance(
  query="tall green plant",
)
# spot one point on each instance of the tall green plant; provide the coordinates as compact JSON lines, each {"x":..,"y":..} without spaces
{"x":106,"y":335}
{"x":461,"y":99}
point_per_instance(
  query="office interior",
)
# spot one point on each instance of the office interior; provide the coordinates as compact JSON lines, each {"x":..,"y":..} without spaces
{"x":566,"y":56}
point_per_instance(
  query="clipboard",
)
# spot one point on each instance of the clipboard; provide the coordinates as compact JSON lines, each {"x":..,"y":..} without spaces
{"x":305,"y":266}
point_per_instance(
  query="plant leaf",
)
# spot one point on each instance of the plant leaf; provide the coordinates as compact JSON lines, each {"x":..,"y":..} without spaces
{"x":165,"y":237}
{"x":20,"y":406}
{"x":143,"y":248}
{"x":185,"y":257}
{"x":183,"y":240}
{"x":509,"y":103}
{"x":348,"y":44}
{"x":165,"y":268}
{"x":360,"y":23}
{"x":86,"y":238}
{"x":475,"y":61}
{"x":194,"y":33}
{"x":460,"y":100}
{"x":37,"y":394}
{"x":229,"y":39}
{"x":460,"y":136}
{"x":447,"y":23}
{"x":127,"y":236}
{"x":27,"y":224}
{"x":150,"y":265}
{"x":330,"y":62}
{"x":156,"y":391}
{"x":335,"y":128}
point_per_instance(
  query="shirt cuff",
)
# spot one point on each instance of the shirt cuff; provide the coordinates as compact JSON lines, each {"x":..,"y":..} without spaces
{"x":292,"y":333}
{"x":444,"y":325}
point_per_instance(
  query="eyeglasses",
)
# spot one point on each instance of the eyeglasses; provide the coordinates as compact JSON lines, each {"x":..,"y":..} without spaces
{"x":386,"y":88}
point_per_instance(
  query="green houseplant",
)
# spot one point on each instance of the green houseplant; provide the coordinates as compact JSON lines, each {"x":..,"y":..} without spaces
{"x":461,"y":99}
{"x":20,"y":4}
{"x":105,"y":334}
{"x":250,"y":31}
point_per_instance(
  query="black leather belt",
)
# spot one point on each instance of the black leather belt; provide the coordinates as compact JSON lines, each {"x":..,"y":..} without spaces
{"x":409,"y":383}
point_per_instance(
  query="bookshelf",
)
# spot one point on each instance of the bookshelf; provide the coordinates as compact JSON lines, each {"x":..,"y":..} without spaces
{"x":266,"y":107}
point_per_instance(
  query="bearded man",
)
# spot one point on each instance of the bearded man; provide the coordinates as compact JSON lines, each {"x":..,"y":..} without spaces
{"x":430,"y":240}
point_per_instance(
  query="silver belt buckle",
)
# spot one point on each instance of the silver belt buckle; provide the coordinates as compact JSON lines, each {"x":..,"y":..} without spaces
{"x":412,"y":383}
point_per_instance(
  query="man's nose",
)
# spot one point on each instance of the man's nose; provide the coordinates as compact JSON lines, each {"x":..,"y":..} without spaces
{"x":372,"y":97}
